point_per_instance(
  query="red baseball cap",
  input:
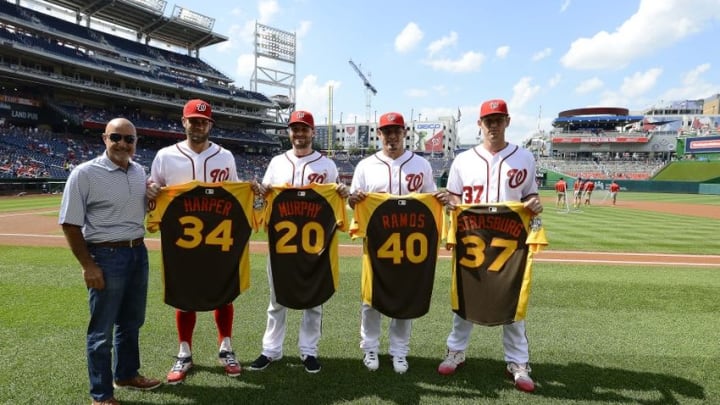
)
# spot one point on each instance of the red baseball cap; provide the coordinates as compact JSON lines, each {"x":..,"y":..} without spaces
{"x":390,"y":119}
{"x":197,"y":108}
{"x":496,"y":106}
{"x":303,"y":117}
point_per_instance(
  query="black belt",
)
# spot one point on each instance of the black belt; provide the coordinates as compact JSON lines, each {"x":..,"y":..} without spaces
{"x":123,"y":243}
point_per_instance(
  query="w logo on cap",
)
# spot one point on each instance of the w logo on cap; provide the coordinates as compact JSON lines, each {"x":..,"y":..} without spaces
{"x":202,"y":107}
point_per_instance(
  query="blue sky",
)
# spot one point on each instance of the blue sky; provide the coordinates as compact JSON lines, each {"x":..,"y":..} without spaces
{"x":427,"y":59}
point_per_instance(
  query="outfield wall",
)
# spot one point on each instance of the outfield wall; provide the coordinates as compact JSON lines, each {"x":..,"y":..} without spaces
{"x":644,"y":186}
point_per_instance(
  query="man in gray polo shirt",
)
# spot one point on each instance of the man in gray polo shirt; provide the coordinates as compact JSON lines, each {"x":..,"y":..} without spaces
{"x":102,"y":215}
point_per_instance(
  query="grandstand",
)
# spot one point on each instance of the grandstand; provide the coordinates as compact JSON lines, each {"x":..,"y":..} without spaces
{"x":609,"y":142}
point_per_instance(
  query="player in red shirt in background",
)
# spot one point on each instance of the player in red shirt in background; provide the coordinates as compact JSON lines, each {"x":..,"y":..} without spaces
{"x":588,"y":188}
{"x":614,"y":189}
{"x":561,"y":189}
{"x":577,"y":192}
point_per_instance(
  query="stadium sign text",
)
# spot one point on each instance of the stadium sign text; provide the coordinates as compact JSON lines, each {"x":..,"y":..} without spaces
{"x":428,"y":126}
{"x":25,"y":115}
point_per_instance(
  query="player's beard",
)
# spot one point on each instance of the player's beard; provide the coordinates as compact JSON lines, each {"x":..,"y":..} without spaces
{"x":197,"y":137}
{"x":301,"y":142}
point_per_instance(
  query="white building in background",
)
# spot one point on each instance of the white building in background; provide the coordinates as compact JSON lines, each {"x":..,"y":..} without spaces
{"x":436,"y":138}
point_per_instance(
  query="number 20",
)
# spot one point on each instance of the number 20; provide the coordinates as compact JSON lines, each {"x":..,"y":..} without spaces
{"x":283,"y":245}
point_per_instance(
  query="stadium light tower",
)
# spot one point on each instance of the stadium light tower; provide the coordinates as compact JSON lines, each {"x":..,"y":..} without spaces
{"x":369,"y":89}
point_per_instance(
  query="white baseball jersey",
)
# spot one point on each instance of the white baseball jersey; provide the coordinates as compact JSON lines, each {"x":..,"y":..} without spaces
{"x":481,"y":177}
{"x":178,"y":164}
{"x":409,"y":173}
{"x":288,"y":169}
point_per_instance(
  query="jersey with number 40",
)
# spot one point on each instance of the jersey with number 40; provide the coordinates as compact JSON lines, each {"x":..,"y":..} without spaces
{"x":400,"y":250}
{"x":205,"y":228}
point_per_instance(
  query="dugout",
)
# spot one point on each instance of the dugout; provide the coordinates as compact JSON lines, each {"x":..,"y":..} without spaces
{"x":15,"y":186}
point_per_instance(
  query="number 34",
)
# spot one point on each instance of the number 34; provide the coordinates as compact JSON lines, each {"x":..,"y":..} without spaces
{"x":193,"y":237}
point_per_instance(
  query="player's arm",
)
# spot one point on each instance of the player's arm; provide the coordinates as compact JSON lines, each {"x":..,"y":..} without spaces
{"x":91,"y":271}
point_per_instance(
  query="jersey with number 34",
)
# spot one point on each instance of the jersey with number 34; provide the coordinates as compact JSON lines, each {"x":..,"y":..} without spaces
{"x":205,"y":229}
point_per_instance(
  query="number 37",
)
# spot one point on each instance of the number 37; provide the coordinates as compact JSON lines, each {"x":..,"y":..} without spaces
{"x":475,"y":252}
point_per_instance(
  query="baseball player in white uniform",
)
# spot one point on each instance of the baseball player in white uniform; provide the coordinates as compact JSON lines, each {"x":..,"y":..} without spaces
{"x":297,"y":167}
{"x":396,"y":171}
{"x":196,"y":158}
{"x":493,"y":171}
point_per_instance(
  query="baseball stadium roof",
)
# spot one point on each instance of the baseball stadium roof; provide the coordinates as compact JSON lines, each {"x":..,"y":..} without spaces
{"x":183,"y":28}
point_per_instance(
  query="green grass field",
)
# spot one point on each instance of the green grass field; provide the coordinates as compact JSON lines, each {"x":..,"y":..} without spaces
{"x":598,"y":334}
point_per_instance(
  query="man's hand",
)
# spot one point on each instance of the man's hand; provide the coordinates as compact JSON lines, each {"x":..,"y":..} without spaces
{"x":342,"y":190}
{"x":356,"y":197}
{"x":93,"y":276}
{"x":259,"y":188}
{"x":533,"y":205}
{"x":152,"y":190}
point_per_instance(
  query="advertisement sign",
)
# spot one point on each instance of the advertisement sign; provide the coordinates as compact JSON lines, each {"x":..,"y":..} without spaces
{"x":702,"y":144}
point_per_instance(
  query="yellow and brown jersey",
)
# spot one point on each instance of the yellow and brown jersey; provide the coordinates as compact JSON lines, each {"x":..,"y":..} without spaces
{"x":205,"y":228}
{"x":402,"y":234}
{"x":493,"y":253}
{"x":302,"y":225}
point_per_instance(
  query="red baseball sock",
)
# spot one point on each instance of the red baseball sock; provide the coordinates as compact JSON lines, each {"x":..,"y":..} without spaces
{"x":224,"y":321}
{"x":185,"y":322}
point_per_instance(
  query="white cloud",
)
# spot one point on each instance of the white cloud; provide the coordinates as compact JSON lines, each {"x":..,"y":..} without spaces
{"x":502,"y":52}
{"x":693,"y":86}
{"x":313,"y":96}
{"x":245,"y":65}
{"x":640,"y":82}
{"x":655,"y":25}
{"x":468,"y":62}
{"x":564,"y":6}
{"x":523,"y":92}
{"x":417,"y":93}
{"x":408,"y":38}
{"x":266,"y":10}
{"x":541,"y":54}
{"x":442,"y":43}
{"x":589,"y":85}
{"x":555,"y":80}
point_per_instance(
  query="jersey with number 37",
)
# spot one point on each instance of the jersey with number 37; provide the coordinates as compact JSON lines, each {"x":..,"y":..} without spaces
{"x":205,"y":229}
{"x":494,"y":247}
{"x":479,"y":176}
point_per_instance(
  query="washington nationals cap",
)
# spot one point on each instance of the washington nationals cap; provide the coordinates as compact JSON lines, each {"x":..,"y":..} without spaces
{"x":303,"y":117}
{"x":391,"y":118}
{"x":493,"y":107}
{"x":197,"y":108}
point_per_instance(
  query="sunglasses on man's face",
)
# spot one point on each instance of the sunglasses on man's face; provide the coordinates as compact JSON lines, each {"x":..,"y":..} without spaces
{"x":117,"y":137}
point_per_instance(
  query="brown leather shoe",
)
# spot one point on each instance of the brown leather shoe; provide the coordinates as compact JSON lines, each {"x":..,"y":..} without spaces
{"x":109,"y":401}
{"x":138,"y":383}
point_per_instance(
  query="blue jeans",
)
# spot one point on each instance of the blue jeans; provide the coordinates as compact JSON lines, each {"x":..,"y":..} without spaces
{"x":121,"y":304}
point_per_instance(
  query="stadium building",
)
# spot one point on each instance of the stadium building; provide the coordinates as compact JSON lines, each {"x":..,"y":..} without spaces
{"x":68,"y":66}
{"x":610,"y":142}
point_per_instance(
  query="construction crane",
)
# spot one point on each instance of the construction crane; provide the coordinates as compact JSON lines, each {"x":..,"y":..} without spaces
{"x":369,"y":89}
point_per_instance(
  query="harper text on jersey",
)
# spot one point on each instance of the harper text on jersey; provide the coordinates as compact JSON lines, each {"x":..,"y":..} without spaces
{"x":207,"y":204}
